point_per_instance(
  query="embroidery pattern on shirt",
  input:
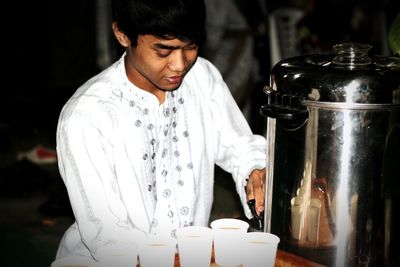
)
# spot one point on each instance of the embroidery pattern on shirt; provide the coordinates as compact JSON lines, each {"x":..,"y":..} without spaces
{"x":168,"y":168}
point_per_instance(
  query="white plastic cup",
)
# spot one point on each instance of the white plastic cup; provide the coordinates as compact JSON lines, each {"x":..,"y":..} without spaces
{"x":259,"y":249}
{"x":74,"y":261}
{"x":195,"y":246}
{"x":314,"y":213}
{"x":228,"y":238}
{"x":157,"y":252}
{"x":297,"y":216}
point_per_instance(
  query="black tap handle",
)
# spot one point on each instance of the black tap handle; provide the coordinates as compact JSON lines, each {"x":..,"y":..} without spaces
{"x":257,"y":221}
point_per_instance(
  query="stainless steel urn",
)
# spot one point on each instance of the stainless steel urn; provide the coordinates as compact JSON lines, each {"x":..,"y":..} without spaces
{"x":333,"y":135}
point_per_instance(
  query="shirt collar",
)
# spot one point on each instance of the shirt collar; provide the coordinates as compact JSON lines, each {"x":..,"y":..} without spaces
{"x":131,"y":91}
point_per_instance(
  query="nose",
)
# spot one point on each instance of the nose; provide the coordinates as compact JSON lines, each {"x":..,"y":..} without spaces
{"x":178,"y":61}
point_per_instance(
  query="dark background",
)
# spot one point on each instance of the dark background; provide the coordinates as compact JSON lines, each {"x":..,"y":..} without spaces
{"x":49,"y":49}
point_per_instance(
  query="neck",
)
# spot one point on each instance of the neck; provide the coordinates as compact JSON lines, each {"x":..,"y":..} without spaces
{"x":160,"y":96}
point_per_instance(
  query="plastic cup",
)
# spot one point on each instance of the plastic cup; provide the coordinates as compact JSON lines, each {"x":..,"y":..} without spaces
{"x":260,"y":249}
{"x":194,"y":246}
{"x":157,"y":252}
{"x":228,"y":237}
{"x":74,"y":261}
{"x":297,"y":214}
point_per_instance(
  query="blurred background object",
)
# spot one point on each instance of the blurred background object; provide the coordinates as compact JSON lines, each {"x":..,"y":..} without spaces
{"x":394,"y":36}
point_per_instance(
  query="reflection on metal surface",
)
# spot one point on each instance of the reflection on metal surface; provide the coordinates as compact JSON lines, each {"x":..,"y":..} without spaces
{"x":333,"y":139}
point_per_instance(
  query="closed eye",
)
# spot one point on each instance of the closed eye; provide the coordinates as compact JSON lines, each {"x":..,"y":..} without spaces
{"x":163,"y":53}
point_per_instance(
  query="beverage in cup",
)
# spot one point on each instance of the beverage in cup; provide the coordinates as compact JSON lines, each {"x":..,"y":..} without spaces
{"x":228,"y":237}
{"x":259,"y":249}
{"x":194,"y":246}
{"x":157,"y":252}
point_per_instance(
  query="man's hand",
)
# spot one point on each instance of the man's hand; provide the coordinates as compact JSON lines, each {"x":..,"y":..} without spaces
{"x":255,"y":189}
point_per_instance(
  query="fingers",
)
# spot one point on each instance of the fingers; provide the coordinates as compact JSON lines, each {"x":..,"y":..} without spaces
{"x":258,"y":189}
{"x":255,"y":189}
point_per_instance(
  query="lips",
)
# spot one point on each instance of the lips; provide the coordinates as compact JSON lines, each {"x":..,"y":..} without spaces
{"x":175,"y":79}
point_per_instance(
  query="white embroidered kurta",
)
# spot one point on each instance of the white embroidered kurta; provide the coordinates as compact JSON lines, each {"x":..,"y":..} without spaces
{"x":133,"y":167}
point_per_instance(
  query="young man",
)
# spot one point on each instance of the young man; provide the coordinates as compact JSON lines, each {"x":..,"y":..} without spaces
{"x":137,"y":143}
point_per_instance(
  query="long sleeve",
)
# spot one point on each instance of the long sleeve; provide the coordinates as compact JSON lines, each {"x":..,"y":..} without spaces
{"x":237,"y":149}
{"x":87,"y":170}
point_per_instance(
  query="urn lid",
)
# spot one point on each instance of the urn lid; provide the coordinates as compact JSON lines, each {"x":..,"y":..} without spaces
{"x":351,"y":75}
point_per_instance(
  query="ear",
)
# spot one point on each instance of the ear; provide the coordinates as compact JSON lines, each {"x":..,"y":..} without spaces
{"x":121,"y":37}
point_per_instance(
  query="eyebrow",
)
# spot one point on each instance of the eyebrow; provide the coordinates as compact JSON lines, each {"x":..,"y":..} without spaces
{"x":164,"y":46}
{"x":170,"y":47}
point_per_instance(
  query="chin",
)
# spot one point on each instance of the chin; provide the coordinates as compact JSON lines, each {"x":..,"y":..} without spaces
{"x":170,"y":89}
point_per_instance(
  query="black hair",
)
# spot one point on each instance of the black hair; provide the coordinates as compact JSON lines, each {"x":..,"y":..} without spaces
{"x":167,"y":19}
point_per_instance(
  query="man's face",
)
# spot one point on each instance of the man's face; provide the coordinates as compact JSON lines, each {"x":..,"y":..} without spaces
{"x":157,"y":65}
